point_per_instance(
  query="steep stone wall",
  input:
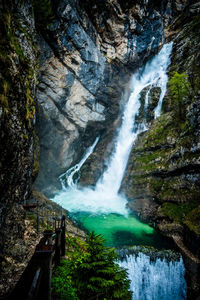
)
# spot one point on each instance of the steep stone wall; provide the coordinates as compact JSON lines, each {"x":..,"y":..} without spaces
{"x":87,"y":56}
{"x":162,"y":178}
{"x":164,"y":163}
{"x":17,"y":119}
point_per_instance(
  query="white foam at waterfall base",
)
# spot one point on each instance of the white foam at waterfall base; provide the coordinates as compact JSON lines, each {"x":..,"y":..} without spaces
{"x":104,"y":198}
{"x":155,"y":280}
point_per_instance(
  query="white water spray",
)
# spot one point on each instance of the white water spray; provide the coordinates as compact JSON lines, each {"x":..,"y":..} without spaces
{"x":67,"y":178}
{"x":104,"y":198}
{"x":155,"y":280}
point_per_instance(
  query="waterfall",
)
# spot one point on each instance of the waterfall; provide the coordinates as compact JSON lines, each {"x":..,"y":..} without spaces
{"x":67,"y":178}
{"x":153,"y":74}
{"x":104,"y":198}
{"x":155,"y":280}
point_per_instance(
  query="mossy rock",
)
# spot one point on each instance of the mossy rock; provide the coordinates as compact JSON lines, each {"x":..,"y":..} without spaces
{"x":187,"y":213}
{"x":192,"y":220}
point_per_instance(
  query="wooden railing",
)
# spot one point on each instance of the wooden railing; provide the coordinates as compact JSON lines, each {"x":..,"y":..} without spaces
{"x":35,"y":282}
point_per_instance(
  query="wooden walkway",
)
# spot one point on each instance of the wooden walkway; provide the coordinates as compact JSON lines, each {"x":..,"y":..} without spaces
{"x":35,"y":282}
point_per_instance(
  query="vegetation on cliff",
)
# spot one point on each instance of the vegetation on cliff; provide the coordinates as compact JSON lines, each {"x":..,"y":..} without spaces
{"x":18,"y":69}
{"x":164,"y":164}
{"x":43,"y":13}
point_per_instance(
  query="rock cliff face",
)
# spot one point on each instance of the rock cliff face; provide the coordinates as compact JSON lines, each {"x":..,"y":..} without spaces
{"x":162,"y":178}
{"x":164,"y":163}
{"x":17,"y":118}
{"x":86,"y":56}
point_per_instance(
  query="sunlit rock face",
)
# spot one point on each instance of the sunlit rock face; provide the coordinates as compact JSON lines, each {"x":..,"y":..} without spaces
{"x":86,"y":57}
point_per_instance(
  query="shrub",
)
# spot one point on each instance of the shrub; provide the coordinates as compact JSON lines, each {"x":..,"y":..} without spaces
{"x":62,"y":283}
{"x":180,"y":90}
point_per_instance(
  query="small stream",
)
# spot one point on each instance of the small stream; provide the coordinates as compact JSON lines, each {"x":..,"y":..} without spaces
{"x":104,"y":210}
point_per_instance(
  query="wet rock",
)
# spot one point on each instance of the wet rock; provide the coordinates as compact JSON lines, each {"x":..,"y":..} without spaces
{"x":168,"y":255}
{"x":17,"y":83}
{"x":86,"y":58}
{"x":163,"y":168}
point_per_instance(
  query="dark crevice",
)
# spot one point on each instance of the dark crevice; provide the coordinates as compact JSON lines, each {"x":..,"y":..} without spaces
{"x":189,"y":169}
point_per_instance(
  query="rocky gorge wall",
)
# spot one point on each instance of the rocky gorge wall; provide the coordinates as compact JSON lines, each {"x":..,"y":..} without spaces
{"x":17,"y":120}
{"x":64,"y":82}
{"x":164,"y":165}
{"x":162,"y":178}
{"x":87,"y":56}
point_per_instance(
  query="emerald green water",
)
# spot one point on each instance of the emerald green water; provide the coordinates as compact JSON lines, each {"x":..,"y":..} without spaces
{"x":119,"y":230}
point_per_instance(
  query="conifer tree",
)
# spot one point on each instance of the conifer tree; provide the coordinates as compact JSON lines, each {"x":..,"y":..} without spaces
{"x":98,"y":276}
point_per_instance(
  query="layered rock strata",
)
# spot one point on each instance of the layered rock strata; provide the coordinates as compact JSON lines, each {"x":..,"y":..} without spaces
{"x":162,"y":178}
{"x":86,"y":56}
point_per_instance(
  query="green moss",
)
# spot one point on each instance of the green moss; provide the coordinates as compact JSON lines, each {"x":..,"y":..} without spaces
{"x":180,"y":212}
{"x":160,"y":131}
{"x":151,"y":158}
{"x":4,"y":95}
{"x":30,"y":105}
{"x":155,"y":184}
{"x":192,"y":220}
{"x":12,"y":58}
{"x":32,"y":218}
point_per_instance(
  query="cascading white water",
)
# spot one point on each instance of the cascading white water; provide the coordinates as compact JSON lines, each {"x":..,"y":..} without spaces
{"x":155,"y":280}
{"x":153,"y":74}
{"x":69,"y":174}
{"x":105,"y":198}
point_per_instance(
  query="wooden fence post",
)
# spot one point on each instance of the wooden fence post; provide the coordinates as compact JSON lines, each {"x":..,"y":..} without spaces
{"x":45,"y":259}
{"x":63,"y":228}
{"x":57,"y":247}
{"x":43,"y":255}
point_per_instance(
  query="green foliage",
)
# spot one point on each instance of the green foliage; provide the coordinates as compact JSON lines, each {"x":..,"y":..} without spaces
{"x":62,"y":288}
{"x":180,"y":90}
{"x":43,"y":11}
{"x":93,"y":271}
{"x":97,"y":276}
{"x":16,"y":67}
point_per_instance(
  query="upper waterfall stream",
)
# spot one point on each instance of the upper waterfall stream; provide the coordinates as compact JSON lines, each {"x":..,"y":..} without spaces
{"x":103,"y":209}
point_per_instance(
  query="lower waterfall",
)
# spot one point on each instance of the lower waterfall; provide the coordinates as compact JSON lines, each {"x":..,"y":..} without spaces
{"x":155,"y":280}
{"x":103,"y":209}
